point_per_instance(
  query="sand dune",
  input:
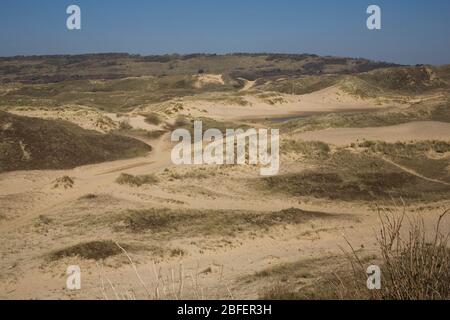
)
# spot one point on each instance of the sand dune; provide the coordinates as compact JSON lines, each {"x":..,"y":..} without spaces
{"x":327,"y":100}
{"x":219,"y":224}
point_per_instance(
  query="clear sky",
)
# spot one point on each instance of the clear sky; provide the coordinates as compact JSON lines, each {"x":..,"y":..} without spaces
{"x":413,"y":31}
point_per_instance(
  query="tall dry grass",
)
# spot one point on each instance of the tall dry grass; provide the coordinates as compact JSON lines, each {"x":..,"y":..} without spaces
{"x":170,"y":284}
{"x":415,"y":263}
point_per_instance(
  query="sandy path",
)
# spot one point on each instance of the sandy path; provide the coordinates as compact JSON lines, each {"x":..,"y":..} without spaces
{"x":248,"y":84}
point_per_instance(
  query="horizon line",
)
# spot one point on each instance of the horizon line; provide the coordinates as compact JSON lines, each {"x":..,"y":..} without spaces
{"x":204,"y":54}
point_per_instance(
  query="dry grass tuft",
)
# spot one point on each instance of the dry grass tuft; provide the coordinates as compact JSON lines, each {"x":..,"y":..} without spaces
{"x":415,"y":265}
{"x":137,"y":181}
{"x":89,"y":196}
{"x":152,"y":118}
{"x":94,"y":250}
{"x":414,"y":262}
{"x":65,"y":182}
{"x":416,"y":268}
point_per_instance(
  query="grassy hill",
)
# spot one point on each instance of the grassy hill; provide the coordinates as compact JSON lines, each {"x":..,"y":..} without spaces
{"x":30,"y":143}
{"x":122,"y":82}
{"x":51,"y":69}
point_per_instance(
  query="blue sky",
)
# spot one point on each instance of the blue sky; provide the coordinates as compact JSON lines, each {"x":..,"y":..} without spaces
{"x":413,"y":31}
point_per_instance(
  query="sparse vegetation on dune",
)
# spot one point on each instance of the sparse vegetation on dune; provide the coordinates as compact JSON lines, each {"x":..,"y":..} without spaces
{"x":31,"y":143}
{"x":415,"y":265}
{"x":401,"y":149}
{"x":309,"y":149}
{"x":437,"y":112}
{"x":153,"y":118}
{"x":103,"y":249}
{"x":349,"y":176}
{"x":429,"y":158}
{"x":405,"y":80}
{"x":379,"y":83}
{"x":94,"y":250}
{"x":184,"y":223}
{"x":63,"y":182}
{"x":332,"y":185}
{"x":300,"y":85}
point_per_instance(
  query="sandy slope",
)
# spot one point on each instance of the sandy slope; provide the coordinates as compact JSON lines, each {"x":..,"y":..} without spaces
{"x":327,"y":100}
{"x":81,"y":116}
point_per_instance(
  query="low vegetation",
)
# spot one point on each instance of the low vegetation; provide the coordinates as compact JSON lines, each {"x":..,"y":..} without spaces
{"x":65,"y":182}
{"x":155,"y":134}
{"x":137,"y":181}
{"x":94,"y":250}
{"x":310,"y":149}
{"x":173,"y":223}
{"x":349,"y":176}
{"x":89,"y":196}
{"x":300,"y":85}
{"x":429,"y":158}
{"x":439,"y":111}
{"x":153,"y":118}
